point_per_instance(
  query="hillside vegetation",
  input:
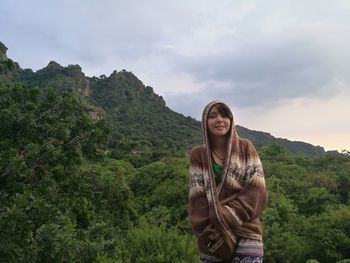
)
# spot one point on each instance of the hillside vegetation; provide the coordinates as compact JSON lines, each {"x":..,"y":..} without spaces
{"x":65,"y":199}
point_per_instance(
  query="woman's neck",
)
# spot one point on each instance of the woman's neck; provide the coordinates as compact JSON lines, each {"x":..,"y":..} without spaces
{"x":219,"y":144}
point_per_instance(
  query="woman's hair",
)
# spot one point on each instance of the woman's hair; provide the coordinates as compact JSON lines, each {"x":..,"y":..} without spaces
{"x":224,"y":110}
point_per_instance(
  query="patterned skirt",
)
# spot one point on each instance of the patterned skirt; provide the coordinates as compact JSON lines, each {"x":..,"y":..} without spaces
{"x":247,"y":251}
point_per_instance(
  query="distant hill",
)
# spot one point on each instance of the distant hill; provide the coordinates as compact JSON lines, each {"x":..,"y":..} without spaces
{"x":143,"y":126}
{"x":260,"y":138}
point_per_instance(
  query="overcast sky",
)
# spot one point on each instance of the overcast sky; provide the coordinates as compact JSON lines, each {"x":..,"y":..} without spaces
{"x":283,"y":66}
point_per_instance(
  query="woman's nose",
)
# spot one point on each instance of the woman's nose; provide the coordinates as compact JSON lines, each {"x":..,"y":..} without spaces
{"x":219,"y":118}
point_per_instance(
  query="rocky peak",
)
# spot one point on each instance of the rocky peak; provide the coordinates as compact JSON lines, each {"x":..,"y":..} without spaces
{"x":150,"y":92}
{"x":3,"y":49}
{"x":69,"y":78}
{"x":53,"y":65}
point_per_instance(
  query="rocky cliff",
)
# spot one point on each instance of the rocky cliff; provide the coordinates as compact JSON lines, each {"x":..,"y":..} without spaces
{"x":3,"y":49}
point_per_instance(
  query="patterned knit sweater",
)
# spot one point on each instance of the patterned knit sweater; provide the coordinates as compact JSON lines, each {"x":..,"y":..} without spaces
{"x":219,"y":214}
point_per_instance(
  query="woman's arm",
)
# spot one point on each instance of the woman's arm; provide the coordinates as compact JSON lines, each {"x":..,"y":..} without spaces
{"x":249,"y":203}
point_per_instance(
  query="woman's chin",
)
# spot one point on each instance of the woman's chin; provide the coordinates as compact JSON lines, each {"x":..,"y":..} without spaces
{"x":219,"y":134}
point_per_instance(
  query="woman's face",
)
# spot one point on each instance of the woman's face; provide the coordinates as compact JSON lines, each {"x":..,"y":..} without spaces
{"x":217,"y":124}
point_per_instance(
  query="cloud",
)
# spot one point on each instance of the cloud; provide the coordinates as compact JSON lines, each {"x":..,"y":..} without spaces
{"x":235,"y":50}
{"x":265,"y":68}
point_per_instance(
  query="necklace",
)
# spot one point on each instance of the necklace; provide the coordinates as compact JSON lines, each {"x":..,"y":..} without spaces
{"x":221,"y":159}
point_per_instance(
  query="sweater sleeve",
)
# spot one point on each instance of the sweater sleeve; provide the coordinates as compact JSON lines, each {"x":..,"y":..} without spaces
{"x":198,"y":205}
{"x":249,"y":203}
{"x":210,"y":238}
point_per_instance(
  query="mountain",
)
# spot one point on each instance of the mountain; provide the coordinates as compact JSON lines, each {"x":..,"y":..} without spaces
{"x":143,"y":126}
{"x":260,"y":138}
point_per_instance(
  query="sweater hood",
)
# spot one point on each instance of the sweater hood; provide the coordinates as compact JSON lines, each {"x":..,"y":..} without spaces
{"x":232,"y":133}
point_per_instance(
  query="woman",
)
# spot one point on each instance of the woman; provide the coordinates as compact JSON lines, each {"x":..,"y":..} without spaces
{"x":227,"y":191}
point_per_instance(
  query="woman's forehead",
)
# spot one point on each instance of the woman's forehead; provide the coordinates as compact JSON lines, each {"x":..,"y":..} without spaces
{"x":213,"y":109}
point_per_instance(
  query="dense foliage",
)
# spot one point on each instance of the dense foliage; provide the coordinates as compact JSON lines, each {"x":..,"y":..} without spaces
{"x":64,"y":199}
{"x":59,"y":203}
{"x":308,"y":213}
{"x":144,"y":129}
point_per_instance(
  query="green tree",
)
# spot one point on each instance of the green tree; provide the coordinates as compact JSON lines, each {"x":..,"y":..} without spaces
{"x":58,"y":203}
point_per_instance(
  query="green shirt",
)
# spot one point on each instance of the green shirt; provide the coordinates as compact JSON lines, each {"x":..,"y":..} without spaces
{"x":217,"y":172}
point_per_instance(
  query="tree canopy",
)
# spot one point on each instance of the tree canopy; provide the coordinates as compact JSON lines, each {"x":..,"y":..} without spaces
{"x":72,"y":190}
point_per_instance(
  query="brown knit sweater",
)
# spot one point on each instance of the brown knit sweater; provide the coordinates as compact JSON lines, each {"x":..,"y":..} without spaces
{"x":219,"y":214}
